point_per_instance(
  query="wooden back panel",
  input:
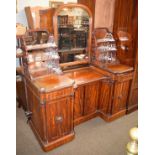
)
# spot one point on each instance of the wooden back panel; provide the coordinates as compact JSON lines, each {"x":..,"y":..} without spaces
{"x":33,"y":16}
{"x":126,"y":19}
{"x":46,"y":19}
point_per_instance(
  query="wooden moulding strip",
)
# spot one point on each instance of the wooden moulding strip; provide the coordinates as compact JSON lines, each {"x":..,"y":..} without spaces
{"x":109,"y":118}
{"x":132,"y":109}
{"x":47,"y":146}
{"x":62,"y":65}
{"x":85,"y":118}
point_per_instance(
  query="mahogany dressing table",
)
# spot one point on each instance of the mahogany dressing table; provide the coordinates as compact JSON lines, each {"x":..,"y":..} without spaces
{"x":60,"y":96}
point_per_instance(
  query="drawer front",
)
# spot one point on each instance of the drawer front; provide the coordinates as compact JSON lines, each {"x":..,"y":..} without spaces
{"x":124,"y":77}
{"x":59,"y":94}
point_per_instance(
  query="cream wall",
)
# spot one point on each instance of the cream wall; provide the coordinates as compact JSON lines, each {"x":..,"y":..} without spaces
{"x":104,"y":13}
{"x":21,"y":17}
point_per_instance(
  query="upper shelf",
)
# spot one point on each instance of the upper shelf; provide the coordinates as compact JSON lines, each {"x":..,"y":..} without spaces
{"x":40,"y":46}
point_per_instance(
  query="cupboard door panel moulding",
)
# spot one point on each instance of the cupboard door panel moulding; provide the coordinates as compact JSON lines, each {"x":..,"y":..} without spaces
{"x":59,"y":118}
{"x":78,"y":102}
{"x":120,"y":96}
{"x":91,"y":98}
{"x":106,"y":94}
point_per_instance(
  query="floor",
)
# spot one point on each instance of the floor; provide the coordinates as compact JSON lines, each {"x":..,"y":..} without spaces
{"x":94,"y":137}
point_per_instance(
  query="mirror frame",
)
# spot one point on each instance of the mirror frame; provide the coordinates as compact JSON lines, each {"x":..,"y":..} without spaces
{"x":55,"y":23}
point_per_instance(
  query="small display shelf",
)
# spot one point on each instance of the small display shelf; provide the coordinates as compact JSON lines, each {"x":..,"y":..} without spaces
{"x":104,"y":52}
{"x":41,"y":55}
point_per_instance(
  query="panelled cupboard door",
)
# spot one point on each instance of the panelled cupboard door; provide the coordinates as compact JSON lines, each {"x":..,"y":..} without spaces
{"x":78,"y":102}
{"x":91,"y":97}
{"x":120,"y":96}
{"x":106,"y":93}
{"x":59,"y":118}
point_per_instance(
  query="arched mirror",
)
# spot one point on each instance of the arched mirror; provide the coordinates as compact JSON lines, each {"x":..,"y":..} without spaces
{"x":72,"y":32}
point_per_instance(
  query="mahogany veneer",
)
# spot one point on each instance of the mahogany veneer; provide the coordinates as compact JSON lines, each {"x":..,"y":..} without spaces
{"x":58,"y":102}
{"x":55,"y":103}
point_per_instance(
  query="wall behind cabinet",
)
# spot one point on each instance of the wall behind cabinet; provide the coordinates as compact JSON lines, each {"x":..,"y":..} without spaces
{"x":21,"y":17}
{"x":104,"y":13}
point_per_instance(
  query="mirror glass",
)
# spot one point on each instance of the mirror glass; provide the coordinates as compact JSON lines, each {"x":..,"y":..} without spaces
{"x":73,"y":33}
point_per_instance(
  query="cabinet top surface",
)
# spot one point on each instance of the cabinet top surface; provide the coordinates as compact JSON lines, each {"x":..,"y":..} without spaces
{"x":76,"y":76}
{"x":53,"y":82}
{"x":84,"y":75}
{"x":119,"y":68}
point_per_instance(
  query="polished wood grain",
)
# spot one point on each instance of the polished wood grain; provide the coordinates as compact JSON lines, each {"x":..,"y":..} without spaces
{"x":110,"y":118}
{"x":124,"y":77}
{"x":106,"y":94}
{"x":123,"y":16}
{"x":126,"y":19}
{"x":133,"y":98}
{"x":91,"y":97}
{"x":59,"y":117}
{"x":20,"y":92}
{"x":52,"y":82}
{"x":58,"y":102}
{"x":29,"y":17}
{"x":85,"y":75}
{"x":79,"y":102}
{"x":52,"y":115}
{"x":120,"y":96}
{"x":46,"y":19}
{"x":33,"y":16}
{"x":119,"y":68}
{"x":87,"y":81}
{"x":48,"y":146}
{"x":61,"y":93}
{"x":114,"y":93}
{"x":56,"y":111}
{"x":38,"y":113}
{"x":67,"y":64}
{"x":85,"y":118}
